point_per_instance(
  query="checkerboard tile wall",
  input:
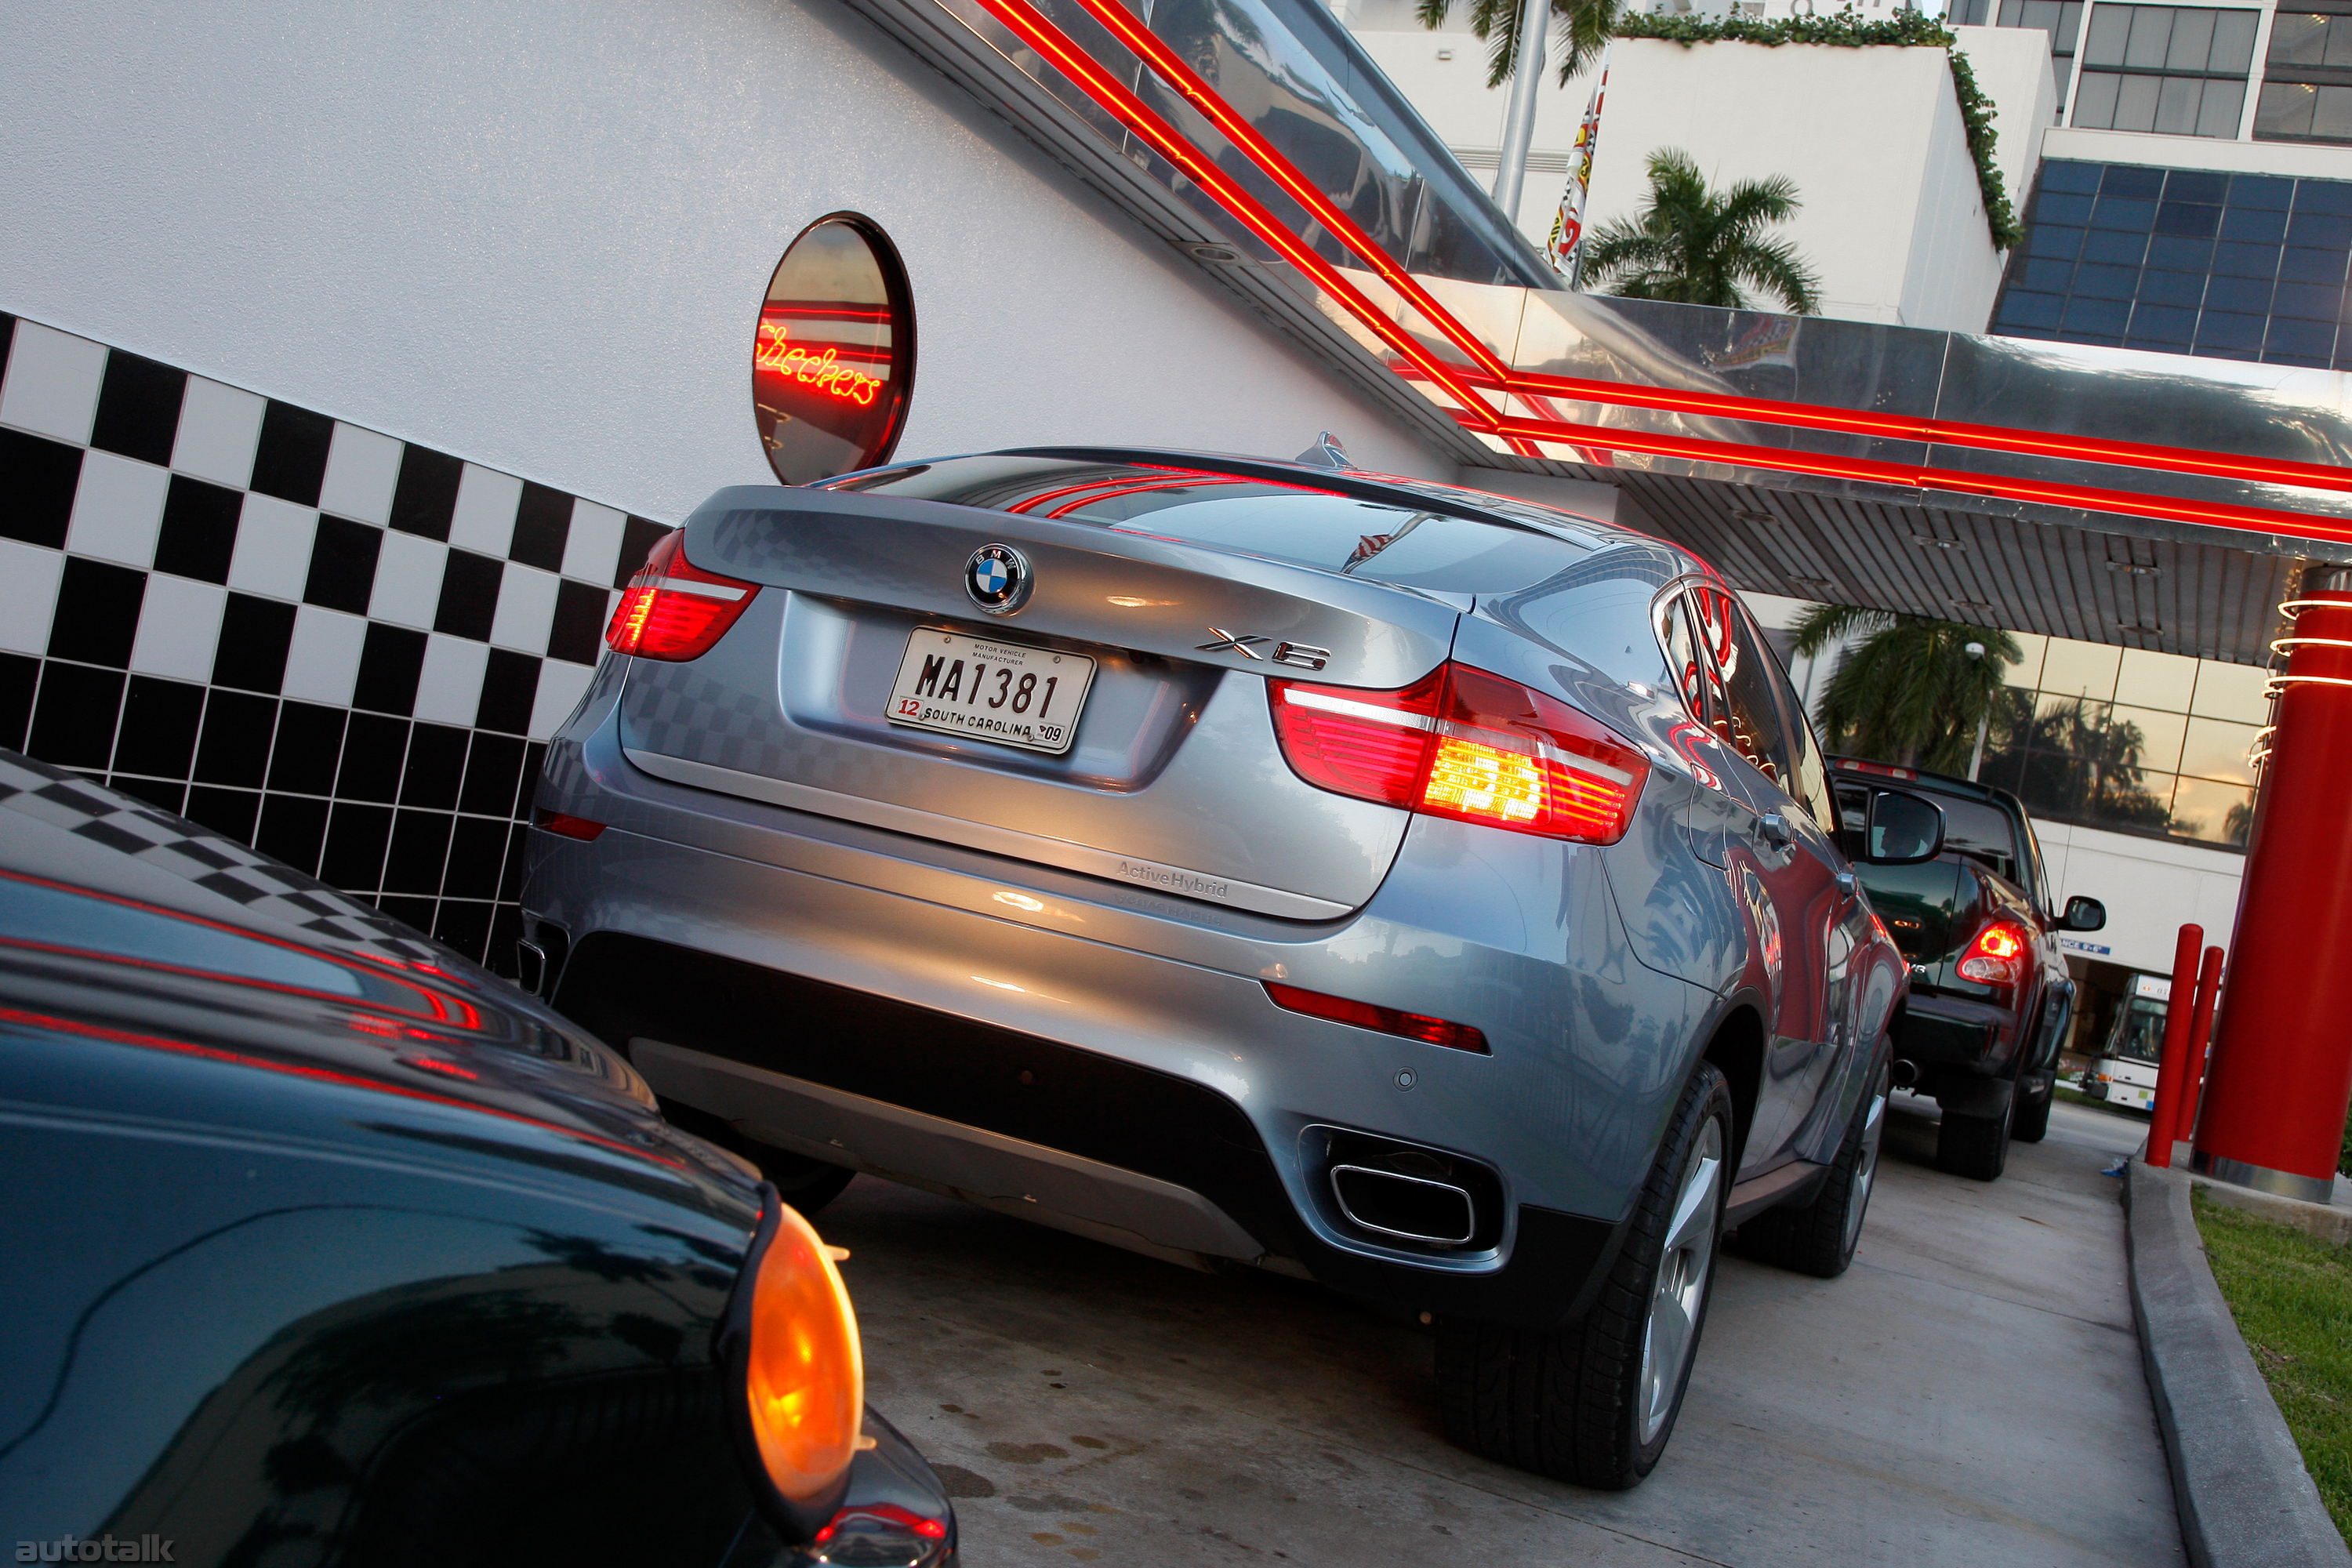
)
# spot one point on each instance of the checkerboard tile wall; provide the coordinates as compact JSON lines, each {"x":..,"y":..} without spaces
{"x":344,"y":649}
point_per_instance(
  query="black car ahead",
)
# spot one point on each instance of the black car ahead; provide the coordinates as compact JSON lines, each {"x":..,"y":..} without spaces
{"x":324,"y":1246}
{"x":1991,"y":998}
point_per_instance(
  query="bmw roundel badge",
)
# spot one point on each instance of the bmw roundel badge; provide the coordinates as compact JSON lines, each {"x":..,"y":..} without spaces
{"x":998,"y":578}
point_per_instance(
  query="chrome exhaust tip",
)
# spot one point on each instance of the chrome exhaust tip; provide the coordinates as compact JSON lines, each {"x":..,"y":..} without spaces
{"x":1905,"y":1073}
{"x":1412,"y":1209}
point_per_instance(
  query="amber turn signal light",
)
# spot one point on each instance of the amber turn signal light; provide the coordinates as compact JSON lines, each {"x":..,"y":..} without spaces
{"x":790,"y":1350}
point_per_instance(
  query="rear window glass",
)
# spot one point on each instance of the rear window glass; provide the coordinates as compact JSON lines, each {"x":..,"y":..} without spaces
{"x":1983,"y":832}
{"x":1410,"y":546}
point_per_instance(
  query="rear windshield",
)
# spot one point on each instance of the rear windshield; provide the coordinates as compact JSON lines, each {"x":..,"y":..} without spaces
{"x":1410,"y":546}
{"x":1984,"y":833}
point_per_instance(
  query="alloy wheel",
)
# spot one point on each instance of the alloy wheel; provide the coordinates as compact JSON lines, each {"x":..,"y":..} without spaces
{"x":1670,"y":1331}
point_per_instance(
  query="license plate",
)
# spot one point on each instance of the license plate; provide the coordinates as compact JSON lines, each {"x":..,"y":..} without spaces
{"x":1008,"y":693}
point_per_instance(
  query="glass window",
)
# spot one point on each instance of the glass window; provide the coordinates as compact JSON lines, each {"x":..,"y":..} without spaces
{"x":2231,"y":692}
{"x":832,"y":359}
{"x":1982,"y":832}
{"x":2027,"y":671}
{"x":2306,"y":94}
{"x":2215,"y":812}
{"x":1693,"y":670}
{"x":2160,"y":734}
{"x":2061,"y":19}
{"x":2216,"y":749}
{"x":2081,"y":669}
{"x":2148,"y":679}
{"x":1752,"y":717}
{"x":2175,"y":70}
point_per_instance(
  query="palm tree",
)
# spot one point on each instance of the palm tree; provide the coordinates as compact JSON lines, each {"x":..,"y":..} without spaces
{"x":1689,"y":245}
{"x":1909,"y":693}
{"x":1579,"y":28}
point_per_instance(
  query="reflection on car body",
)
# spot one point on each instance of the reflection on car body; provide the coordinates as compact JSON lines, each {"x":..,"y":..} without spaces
{"x":325,"y":1245}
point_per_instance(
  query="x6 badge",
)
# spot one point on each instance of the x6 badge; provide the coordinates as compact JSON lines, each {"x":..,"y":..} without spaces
{"x":1305,"y":656}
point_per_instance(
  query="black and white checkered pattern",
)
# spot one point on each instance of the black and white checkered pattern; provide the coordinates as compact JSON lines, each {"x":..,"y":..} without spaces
{"x":342,"y":649}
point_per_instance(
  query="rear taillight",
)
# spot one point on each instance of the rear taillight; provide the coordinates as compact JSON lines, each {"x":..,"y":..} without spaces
{"x":1997,"y":957}
{"x":1465,"y":743}
{"x":674,"y":609}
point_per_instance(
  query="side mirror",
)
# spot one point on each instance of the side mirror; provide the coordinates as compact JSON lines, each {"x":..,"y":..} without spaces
{"x":2084,"y":914}
{"x":1902,"y":829}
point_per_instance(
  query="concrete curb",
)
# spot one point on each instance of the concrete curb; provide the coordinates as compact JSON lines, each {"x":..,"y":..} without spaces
{"x":2244,"y":1499}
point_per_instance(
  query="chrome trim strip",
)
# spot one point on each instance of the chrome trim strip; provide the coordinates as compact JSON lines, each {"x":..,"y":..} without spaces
{"x":1179,"y":880}
{"x":1341,"y":705}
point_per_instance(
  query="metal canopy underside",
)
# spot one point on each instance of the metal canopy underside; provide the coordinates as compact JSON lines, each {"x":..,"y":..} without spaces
{"x":1776,"y":506}
{"x":2171,"y":596}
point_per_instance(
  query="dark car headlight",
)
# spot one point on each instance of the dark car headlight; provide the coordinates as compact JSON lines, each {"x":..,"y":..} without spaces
{"x":795,"y":1375}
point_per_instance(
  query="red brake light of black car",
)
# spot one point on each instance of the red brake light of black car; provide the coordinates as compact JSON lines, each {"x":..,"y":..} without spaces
{"x":1465,"y":743}
{"x":1386,"y":1020}
{"x":1997,"y":957}
{"x":673,"y":609}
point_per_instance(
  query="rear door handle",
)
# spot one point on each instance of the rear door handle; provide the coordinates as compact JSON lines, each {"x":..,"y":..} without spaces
{"x":1847,"y":883}
{"x":1773,"y":828}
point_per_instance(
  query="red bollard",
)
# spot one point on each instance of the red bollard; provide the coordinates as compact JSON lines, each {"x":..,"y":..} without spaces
{"x":2282,"y":1069}
{"x":2172,"y":1072}
{"x":2200,"y":1034}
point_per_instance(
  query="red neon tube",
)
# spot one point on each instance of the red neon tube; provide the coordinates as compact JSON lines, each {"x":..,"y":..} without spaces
{"x":1473,"y":411}
{"x":1081,"y":67}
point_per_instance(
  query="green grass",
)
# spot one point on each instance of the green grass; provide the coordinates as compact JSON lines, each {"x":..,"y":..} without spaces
{"x":2292,"y":1296}
{"x":2077,"y":1097}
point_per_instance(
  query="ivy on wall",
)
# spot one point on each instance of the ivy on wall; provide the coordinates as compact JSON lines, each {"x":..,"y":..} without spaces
{"x":1905,"y":29}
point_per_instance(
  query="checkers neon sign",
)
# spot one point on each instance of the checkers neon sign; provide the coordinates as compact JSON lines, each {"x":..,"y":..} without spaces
{"x":826,"y":373}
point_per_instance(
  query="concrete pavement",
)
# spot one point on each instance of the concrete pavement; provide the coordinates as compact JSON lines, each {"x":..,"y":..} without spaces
{"x":1969,"y":1392}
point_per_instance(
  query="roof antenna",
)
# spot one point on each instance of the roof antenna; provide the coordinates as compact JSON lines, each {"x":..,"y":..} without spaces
{"x":1326,"y":452}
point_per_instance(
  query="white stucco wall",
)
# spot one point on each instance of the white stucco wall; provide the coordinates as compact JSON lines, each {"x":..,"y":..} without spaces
{"x":1892,"y":222}
{"x":1893,"y":219}
{"x":2151,"y":887}
{"x":536,"y":235}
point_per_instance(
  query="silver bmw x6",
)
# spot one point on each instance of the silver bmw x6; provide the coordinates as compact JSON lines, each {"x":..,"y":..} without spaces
{"x":1250,"y":864}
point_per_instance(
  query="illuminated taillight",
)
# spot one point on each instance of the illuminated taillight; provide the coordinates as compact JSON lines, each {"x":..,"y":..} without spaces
{"x":1386,"y":1020}
{"x":1468,"y":744}
{"x":673,"y":609}
{"x":885,"y":1520}
{"x":1997,"y":957}
{"x":791,"y":1347}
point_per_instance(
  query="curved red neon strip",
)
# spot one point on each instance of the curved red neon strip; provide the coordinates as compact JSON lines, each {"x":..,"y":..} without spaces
{"x":1032,"y":28}
{"x":1474,"y":412}
{"x":1170,"y":68}
{"x":2217,"y":514}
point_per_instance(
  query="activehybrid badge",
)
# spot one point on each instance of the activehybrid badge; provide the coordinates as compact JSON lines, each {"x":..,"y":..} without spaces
{"x":998,"y":578}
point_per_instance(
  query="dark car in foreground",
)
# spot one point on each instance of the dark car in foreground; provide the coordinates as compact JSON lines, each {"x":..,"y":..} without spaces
{"x":1252,"y":864}
{"x":1991,"y":997}
{"x":325,"y":1247}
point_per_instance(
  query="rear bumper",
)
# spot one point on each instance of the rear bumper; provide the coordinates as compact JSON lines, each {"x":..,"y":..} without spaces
{"x":1950,"y":1032}
{"x":900,"y":988}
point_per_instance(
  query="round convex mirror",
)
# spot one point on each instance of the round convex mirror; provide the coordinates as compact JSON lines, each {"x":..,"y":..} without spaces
{"x":834,"y":358}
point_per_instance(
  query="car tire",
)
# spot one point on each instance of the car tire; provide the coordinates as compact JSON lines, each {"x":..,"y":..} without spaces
{"x":1594,"y":1402}
{"x":1819,"y":1238}
{"x":2029,"y":1120}
{"x":807,"y":1184}
{"x":1976,"y":1147}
